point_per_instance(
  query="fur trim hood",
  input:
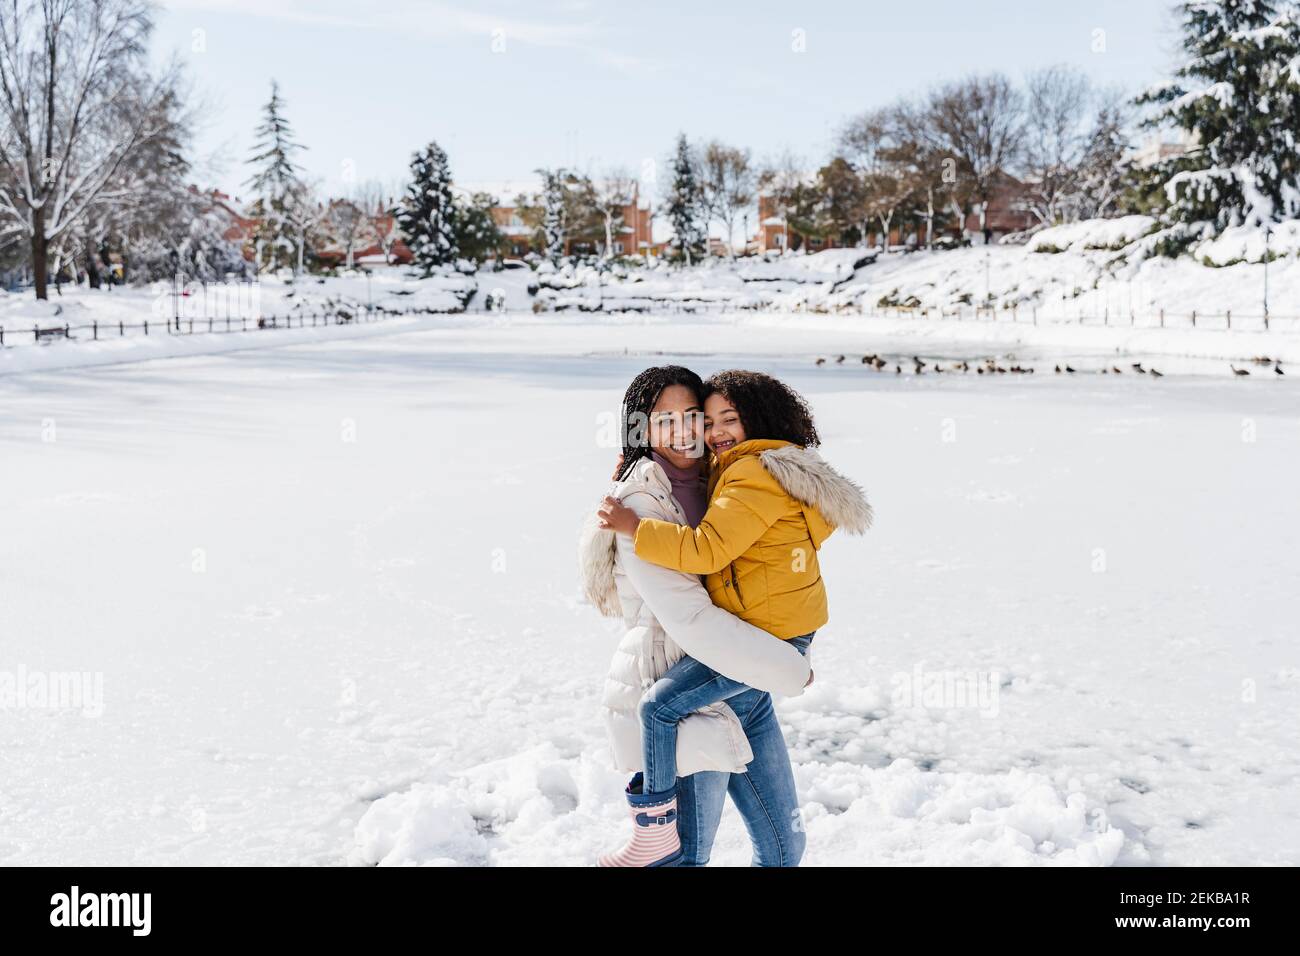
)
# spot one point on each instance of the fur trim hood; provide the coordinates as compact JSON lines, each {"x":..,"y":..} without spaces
{"x":597,"y":546}
{"x":807,"y":477}
{"x":596,"y":549}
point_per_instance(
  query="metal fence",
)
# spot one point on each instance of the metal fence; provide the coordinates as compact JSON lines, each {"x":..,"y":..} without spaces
{"x":181,"y":308}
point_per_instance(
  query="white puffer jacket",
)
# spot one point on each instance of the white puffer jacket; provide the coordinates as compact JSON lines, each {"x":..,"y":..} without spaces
{"x":667,"y":613}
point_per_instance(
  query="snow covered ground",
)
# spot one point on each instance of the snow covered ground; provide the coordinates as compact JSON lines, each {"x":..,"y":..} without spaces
{"x":329,"y":589}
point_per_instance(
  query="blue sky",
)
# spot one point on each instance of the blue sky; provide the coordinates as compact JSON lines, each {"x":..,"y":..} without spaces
{"x":506,"y":87}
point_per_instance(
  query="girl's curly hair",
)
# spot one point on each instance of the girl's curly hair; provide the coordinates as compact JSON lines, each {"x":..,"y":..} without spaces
{"x":768,"y":408}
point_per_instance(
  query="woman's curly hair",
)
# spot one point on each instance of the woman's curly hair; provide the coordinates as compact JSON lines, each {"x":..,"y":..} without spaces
{"x":768,"y":408}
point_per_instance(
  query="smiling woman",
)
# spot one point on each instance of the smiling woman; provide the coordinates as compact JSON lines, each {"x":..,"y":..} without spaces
{"x":771,"y":505}
{"x":668,"y":614}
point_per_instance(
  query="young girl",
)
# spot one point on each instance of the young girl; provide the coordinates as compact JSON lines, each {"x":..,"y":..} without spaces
{"x":772,"y":502}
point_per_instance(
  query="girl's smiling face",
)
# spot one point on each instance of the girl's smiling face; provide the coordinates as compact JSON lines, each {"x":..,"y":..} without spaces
{"x":722,"y":427}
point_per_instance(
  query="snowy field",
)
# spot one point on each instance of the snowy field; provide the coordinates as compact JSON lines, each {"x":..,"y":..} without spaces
{"x":330,"y":589}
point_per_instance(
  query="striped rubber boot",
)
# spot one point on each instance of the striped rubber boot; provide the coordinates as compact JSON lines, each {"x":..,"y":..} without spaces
{"x":654,"y":835}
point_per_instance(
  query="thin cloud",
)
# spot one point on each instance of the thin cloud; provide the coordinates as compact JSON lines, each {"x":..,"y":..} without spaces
{"x":435,"y":19}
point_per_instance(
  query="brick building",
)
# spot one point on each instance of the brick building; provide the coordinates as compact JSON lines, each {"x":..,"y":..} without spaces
{"x":1006,"y":214}
{"x":634,"y":236}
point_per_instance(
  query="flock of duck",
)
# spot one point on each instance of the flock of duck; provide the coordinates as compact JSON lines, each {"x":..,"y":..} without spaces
{"x":991,"y":366}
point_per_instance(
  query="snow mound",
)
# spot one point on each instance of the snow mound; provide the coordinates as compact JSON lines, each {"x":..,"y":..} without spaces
{"x":1018,"y":818}
{"x":829,"y":265}
{"x":429,"y":827}
{"x":1110,"y":234}
{"x":1246,"y":244}
{"x":863,"y":799}
{"x":517,"y":810}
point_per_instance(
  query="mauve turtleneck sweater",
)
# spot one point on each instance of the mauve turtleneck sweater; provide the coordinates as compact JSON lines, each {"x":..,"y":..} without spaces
{"x":690,"y":487}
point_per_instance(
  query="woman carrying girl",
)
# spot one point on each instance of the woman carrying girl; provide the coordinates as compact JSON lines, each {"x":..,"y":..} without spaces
{"x":772,"y":502}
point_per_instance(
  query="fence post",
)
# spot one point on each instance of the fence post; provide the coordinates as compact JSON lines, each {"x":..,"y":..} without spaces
{"x":146,"y":326}
{"x":1229,"y":317}
{"x":1162,"y":317}
{"x":2,"y":337}
{"x":94,"y":327}
{"x":1193,"y":318}
{"x":121,"y":328}
{"x":36,"y":333}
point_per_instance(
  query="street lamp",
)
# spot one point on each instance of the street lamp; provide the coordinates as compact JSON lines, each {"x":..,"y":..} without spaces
{"x":1268,"y":231}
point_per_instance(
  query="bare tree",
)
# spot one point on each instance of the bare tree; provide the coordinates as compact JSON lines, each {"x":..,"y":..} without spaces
{"x":1056,"y":140}
{"x":610,"y":196}
{"x":977,"y":123}
{"x":924,"y":168}
{"x":864,"y":140}
{"x":377,"y":200}
{"x":728,"y":181}
{"x":303,"y":214}
{"x":77,"y":100}
{"x":350,"y":225}
{"x":1104,"y":172}
{"x":154,"y":217}
{"x":875,"y":144}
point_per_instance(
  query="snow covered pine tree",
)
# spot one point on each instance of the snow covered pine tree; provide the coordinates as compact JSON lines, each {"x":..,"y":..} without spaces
{"x":274,"y":183}
{"x":554,"y":224}
{"x":1238,"y":95}
{"x":685,"y":206}
{"x":428,"y":212}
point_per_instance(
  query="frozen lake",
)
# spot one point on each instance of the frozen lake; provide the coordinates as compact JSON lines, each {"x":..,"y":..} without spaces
{"x":331,"y":591}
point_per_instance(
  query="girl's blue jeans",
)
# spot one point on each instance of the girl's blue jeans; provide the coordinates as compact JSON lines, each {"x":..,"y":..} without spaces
{"x":686,"y":687}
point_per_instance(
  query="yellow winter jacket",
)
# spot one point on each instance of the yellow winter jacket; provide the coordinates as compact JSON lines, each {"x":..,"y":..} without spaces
{"x":771,"y":505}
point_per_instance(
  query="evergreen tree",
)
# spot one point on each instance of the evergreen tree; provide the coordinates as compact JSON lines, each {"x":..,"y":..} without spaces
{"x":685,"y":206}
{"x":274,"y":182}
{"x":554,"y":213}
{"x":1238,"y":96}
{"x":477,"y":235}
{"x":428,"y":211}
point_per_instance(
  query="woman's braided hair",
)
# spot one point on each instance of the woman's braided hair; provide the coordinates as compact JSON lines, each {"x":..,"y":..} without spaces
{"x":639,"y":401}
{"x":767,"y":407}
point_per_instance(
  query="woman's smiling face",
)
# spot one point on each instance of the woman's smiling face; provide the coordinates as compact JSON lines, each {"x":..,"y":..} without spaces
{"x":675,"y":426}
{"x":722,"y":427}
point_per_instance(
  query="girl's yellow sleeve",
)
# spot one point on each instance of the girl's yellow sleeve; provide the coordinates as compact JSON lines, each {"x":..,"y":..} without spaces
{"x":746,"y":505}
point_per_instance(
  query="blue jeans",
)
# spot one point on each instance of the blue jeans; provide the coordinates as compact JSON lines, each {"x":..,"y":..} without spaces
{"x":764,"y":794}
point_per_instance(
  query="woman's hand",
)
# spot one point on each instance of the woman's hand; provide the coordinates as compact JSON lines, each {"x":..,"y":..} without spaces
{"x":614,"y":515}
